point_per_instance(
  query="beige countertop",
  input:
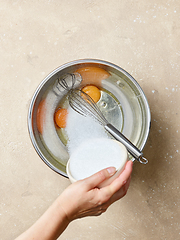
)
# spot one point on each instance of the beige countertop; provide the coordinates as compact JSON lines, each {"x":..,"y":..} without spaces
{"x":142,"y":37}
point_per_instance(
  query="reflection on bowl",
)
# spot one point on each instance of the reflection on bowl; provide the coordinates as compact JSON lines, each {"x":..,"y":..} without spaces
{"x":122,"y":102}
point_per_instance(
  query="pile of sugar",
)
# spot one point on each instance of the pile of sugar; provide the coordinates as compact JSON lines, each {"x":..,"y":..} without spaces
{"x":80,"y":128}
{"x":94,"y":155}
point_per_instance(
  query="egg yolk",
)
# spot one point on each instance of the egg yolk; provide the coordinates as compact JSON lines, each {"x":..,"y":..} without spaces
{"x":93,"y":92}
{"x":40,"y":116}
{"x":60,"y":117}
{"x":92,"y":75}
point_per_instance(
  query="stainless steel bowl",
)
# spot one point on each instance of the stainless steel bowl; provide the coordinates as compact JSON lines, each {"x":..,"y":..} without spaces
{"x":133,"y":117}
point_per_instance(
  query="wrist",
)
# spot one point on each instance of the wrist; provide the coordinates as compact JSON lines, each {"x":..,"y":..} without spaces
{"x":63,"y":210}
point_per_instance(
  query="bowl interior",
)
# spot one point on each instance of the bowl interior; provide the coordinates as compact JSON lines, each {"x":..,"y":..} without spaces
{"x":131,"y":116}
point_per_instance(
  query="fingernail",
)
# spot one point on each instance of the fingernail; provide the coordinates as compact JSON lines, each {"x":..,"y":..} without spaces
{"x":111,"y":170}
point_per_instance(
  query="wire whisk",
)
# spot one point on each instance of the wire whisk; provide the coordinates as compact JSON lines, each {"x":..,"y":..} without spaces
{"x":67,"y":82}
{"x":85,"y":105}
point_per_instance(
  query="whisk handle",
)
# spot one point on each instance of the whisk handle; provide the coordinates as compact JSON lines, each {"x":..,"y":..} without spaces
{"x":132,"y":149}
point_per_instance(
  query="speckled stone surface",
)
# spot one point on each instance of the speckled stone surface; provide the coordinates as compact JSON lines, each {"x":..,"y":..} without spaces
{"x":140,"y":36}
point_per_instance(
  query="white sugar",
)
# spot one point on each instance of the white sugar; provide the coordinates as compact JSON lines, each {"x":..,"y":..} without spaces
{"x":96,"y":154}
{"x":80,"y":128}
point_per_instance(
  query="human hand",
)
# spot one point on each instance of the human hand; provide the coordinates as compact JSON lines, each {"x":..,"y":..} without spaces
{"x":84,"y":198}
{"x":80,"y":199}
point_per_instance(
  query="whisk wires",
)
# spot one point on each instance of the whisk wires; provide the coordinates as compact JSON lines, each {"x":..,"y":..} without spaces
{"x":85,"y":105}
{"x":64,"y":81}
{"x":67,"y":82}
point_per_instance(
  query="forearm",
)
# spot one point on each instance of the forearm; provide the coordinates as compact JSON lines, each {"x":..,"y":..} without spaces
{"x":80,"y":199}
{"x":49,"y":226}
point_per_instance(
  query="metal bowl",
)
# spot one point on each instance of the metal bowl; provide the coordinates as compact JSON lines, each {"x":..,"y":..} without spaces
{"x":132,"y":117}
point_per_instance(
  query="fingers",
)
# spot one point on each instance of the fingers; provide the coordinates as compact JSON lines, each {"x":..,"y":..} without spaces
{"x":121,"y":192}
{"x":94,"y":180}
{"x":122,"y":179}
{"x":108,"y":191}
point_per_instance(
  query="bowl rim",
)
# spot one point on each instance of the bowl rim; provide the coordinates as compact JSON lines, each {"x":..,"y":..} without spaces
{"x":62,"y":67}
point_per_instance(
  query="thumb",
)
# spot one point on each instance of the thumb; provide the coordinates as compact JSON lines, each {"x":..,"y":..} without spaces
{"x":97,"y":178}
